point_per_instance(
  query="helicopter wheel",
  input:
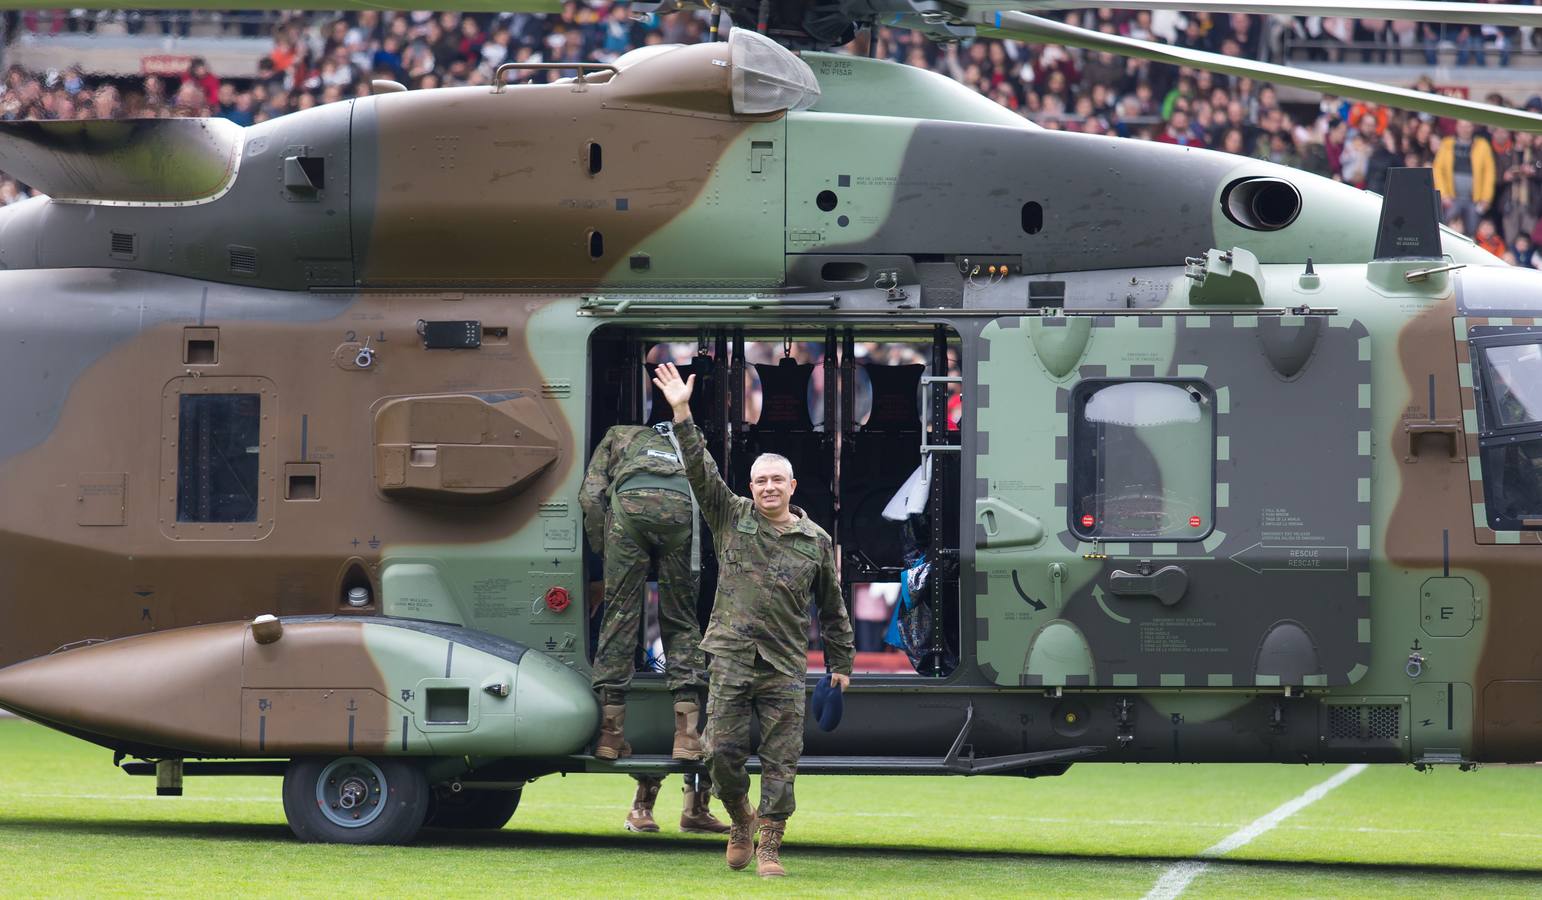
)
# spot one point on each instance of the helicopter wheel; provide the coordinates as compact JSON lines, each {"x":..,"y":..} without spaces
{"x":471,"y":809}
{"x":354,"y":800}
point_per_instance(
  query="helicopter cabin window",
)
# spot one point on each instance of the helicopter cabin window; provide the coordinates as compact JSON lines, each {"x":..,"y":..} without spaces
{"x":218,"y":439}
{"x":1511,"y":434}
{"x":1143,"y":460}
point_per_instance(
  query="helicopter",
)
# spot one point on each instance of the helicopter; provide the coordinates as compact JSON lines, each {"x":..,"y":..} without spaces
{"x":296,"y":415}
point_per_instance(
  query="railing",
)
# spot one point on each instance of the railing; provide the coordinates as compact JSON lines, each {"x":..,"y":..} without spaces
{"x":178,"y":23}
{"x":1418,"y":52}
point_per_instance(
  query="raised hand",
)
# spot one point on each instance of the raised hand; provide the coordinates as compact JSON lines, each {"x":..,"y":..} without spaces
{"x":677,"y":392}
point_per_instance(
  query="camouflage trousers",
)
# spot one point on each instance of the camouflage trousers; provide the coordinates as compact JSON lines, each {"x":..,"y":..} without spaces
{"x":644,"y":524}
{"x":737,"y":688}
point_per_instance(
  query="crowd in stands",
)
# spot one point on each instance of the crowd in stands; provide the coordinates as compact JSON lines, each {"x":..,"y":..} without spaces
{"x":1490,"y":179}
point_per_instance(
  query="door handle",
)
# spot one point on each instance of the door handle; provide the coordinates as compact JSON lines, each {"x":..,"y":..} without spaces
{"x":1167,"y":584}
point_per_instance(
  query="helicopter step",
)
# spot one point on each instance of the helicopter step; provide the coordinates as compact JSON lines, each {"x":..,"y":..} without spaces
{"x":1044,"y":762}
{"x":960,"y":760}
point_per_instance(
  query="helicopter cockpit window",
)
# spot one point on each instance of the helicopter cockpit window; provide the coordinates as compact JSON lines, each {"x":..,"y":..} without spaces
{"x":1510,"y":426}
{"x":1517,"y":383}
{"x":1143,"y":460}
{"x":218,"y":439}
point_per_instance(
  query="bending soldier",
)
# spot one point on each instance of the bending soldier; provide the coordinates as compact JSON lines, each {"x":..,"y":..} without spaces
{"x":637,"y":507}
{"x":772,"y":557}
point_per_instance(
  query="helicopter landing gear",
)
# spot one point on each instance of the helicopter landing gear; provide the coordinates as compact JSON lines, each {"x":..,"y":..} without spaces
{"x":354,"y":800}
{"x":472,"y":809}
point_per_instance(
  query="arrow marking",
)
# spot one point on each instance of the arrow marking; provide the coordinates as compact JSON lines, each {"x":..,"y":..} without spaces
{"x":1017,"y":585}
{"x":1293,"y":558}
{"x":1097,"y":594}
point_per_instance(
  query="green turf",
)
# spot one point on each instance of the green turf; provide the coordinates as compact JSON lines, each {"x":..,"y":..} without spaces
{"x":71,"y":825}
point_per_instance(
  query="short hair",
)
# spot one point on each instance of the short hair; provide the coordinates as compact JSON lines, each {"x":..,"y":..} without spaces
{"x":773,"y":459}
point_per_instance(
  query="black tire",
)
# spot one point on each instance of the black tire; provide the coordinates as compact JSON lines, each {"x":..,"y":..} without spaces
{"x":472,"y":809}
{"x":367,"y":801}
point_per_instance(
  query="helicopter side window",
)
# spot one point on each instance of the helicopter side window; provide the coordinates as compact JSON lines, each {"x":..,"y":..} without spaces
{"x":1516,"y":372}
{"x":1143,"y":460}
{"x":1510,"y":438}
{"x":218,"y":439}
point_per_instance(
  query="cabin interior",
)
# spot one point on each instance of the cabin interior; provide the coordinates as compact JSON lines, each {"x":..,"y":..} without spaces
{"x":858,"y":410}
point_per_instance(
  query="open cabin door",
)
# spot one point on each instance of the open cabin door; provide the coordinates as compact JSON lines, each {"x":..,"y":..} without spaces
{"x":1173,"y":501}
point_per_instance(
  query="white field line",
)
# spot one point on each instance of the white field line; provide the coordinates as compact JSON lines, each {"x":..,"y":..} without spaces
{"x":1177,"y":878}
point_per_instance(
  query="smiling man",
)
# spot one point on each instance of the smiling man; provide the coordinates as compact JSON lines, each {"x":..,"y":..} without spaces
{"x":771,"y":559}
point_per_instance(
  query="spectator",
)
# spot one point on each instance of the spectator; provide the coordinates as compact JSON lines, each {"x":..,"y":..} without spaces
{"x":1488,"y":238}
{"x":1464,"y":176}
{"x":1520,"y":198}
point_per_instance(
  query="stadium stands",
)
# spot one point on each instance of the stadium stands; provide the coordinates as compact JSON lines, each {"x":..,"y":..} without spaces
{"x":249,"y":67}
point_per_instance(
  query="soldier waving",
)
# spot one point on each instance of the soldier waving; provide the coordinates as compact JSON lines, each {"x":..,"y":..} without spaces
{"x":772,"y":557}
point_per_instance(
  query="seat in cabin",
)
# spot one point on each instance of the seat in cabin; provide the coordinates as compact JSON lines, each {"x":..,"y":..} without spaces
{"x":876,"y":459}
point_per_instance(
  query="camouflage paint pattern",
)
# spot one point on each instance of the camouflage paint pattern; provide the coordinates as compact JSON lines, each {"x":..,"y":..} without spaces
{"x":368,"y":686}
{"x":663,"y":519}
{"x":768,"y":574}
{"x":466,"y":205}
{"x":739,"y":687}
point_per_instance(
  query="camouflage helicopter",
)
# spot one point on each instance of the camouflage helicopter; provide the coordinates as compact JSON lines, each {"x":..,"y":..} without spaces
{"x":295,"y":418}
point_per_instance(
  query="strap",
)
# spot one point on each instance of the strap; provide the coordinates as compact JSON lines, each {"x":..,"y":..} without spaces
{"x":668,"y":430}
{"x":639,"y":480}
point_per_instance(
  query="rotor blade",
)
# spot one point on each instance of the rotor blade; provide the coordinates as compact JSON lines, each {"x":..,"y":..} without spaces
{"x":1428,"y":11}
{"x":123,"y":160}
{"x":1023,"y":27}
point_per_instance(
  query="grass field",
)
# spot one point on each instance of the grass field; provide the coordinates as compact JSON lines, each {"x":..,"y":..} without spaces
{"x":71,"y":825}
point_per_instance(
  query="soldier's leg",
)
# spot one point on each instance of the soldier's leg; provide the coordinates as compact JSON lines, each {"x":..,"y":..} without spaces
{"x":779,"y":702}
{"x":626,"y":571}
{"x":640,"y":816}
{"x":728,"y":728}
{"x":678,"y":587}
{"x":728,"y":746}
{"x":685,"y":662}
{"x":626,"y":568}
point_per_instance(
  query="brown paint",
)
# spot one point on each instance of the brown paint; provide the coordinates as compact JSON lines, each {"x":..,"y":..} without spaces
{"x":1434,"y":492}
{"x":477,"y":186}
{"x":66,"y":581}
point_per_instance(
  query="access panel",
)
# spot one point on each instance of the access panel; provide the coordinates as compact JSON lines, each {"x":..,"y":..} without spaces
{"x":1196,"y":493}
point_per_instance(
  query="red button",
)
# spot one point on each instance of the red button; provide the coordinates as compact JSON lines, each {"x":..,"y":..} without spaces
{"x":1193,"y":521}
{"x":1088,"y":520}
{"x":557,"y":599}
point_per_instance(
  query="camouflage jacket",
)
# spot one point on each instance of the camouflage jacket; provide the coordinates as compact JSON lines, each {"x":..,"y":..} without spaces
{"x":626,"y":450}
{"x":765,"y":576}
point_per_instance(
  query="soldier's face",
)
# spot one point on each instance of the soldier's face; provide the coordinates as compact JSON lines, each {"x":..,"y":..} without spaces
{"x":771,"y":487}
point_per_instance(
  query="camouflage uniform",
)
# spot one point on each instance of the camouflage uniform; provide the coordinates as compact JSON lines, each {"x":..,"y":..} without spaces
{"x":758,"y":634}
{"x":628,"y":525}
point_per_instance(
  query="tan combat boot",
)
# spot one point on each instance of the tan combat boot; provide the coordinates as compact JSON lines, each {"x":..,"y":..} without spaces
{"x":687,"y":739}
{"x":768,"y":857}
{"x":741,"y":836}
{"x":612,"y":745}
{"x":696,"y":817}
{"x":640,"y":816}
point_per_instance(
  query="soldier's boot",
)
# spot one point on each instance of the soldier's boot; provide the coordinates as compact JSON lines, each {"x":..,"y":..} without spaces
{"x":640,"y":816}
{"x":697,"y":817}
{"x":612,"y":745}
{"x":687,"y":738}
{"x":768,"y":856}
{"x":741,"y":835}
